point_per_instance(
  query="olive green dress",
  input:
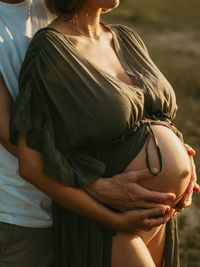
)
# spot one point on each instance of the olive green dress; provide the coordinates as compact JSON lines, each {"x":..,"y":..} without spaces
{"x":88,"y":124}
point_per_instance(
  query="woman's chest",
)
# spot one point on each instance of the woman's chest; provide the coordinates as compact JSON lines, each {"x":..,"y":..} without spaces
{"x":103,"y":56}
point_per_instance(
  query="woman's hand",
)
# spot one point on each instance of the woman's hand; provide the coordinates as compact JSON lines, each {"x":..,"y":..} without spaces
{"x":138,"y":220}
{"x":123,"y":192}
{"x":186,"y":200}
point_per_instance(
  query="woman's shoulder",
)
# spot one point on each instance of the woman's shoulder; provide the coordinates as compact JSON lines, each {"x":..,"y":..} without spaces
{"x":42,"y":52}
{"x":124,"y":28}
{"x":129,"y":35}
{"x":44,"y":45}
{"x":44,"y":36}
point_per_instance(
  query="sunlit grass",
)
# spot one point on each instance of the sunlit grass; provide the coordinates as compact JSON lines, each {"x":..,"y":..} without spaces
{"x":159,"y":13}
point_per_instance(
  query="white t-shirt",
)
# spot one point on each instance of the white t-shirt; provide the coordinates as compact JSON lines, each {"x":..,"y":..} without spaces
{"x":20,"y":202}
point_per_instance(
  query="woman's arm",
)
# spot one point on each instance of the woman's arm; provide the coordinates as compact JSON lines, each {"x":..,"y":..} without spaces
{"x":78,"y":201}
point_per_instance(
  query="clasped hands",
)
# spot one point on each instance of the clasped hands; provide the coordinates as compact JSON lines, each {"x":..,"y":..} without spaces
{"x":141,"y":208}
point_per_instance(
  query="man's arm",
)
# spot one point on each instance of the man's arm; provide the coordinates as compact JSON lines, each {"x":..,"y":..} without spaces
{"x":5,"y":107}
{"x":123,"y":192}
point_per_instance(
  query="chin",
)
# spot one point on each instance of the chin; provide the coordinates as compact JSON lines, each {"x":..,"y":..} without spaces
{"x":112,"y":3}
{"x":110,"y":6}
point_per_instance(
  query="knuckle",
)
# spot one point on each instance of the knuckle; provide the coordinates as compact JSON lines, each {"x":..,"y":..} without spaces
{"x":149,"y":224}
{"x":143,"y":173}
{"x":143,"y":215}
{"x":158,"y":197}
{"x":130,"y":176}
{"x":135,"y":197}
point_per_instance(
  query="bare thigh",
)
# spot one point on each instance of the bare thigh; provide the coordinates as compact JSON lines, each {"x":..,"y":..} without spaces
{"x":142,"y":250}
{"x":156,"y":246}
{"x":129,"y":251}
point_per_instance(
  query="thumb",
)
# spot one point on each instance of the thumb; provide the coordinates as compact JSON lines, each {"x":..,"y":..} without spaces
{"x":142,"y":174}
{"x":190,"y":150}
{"x":196,"y":188}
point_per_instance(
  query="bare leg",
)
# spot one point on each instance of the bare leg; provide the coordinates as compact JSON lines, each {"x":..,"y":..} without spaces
{"x":130,"y":251}
{"x":158,"y":241}
{"x":143,"y":250}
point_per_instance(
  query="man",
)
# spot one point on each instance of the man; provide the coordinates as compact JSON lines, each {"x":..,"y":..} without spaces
{"x":25,"y":212}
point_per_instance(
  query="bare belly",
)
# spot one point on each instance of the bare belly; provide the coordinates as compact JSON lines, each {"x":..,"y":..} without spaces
{"x":175,"y":175}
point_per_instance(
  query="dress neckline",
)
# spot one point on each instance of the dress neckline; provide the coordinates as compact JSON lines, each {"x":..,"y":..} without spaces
{"x":130,"y":74}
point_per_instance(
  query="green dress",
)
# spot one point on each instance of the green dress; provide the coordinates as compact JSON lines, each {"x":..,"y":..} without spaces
{"x":88,"y":124}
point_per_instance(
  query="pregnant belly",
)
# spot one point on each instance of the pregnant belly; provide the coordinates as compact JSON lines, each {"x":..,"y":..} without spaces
{"x":175,"y":175}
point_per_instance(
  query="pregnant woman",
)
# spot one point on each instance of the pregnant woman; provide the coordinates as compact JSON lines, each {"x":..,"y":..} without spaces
{"x":92,"y":104}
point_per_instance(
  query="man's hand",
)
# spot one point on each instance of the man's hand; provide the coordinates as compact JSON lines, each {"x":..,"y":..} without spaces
{"x":135,"y":221}
{"x":186,"y":200}
{"x":123,"y":192}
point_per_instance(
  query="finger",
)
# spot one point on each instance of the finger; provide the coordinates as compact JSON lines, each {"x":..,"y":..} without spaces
{"x":153,"y":222}
{"x":183,"y":201}
{"x":190,"y":188}
{"x":158,"y":197}
{"x":134,"y":176}
{"x":147,"y":204}
{"x":194,"y":174}
{"x":141,"y":174}
{"x":190,"y":150}
{"x":181,"y":204}
{"x":196,"y":188}
{"x":186,"y":201}
{"x":154,"y":212}
{"x":191,"y":185}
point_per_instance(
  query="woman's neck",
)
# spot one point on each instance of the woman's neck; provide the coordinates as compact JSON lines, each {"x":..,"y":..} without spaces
{"x":87,"y":21}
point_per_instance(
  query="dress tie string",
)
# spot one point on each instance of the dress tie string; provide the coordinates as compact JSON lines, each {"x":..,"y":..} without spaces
{"x":151,"y":133}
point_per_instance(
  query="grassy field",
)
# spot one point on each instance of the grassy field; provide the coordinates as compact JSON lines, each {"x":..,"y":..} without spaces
{"x":170,"y":30}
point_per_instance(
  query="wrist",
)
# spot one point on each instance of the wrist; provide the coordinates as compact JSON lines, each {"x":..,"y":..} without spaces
{"x":98,"y":188}
{"x":115,"y":221}
{"x":122,"y":223}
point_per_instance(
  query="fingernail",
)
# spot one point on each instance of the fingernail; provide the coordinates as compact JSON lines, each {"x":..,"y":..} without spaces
{"x":155,"y":170}
{"x":173,"y":196}
{"x":165,"y":209}
{"x":197,"y":188}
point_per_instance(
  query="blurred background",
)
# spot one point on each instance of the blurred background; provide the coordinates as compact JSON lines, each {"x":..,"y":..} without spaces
{"x":171,"y":31}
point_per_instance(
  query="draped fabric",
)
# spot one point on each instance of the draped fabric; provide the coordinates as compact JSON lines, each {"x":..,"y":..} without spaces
{"x":88,"y":124}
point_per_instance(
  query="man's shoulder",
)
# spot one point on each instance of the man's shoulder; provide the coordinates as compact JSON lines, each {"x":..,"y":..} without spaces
{"x":39,"y":6}
{"x":38,"y":3}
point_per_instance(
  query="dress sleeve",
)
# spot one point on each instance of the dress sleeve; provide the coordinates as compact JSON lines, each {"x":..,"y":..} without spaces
{"x":31,"y":117}
{"x":134,"y":38}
